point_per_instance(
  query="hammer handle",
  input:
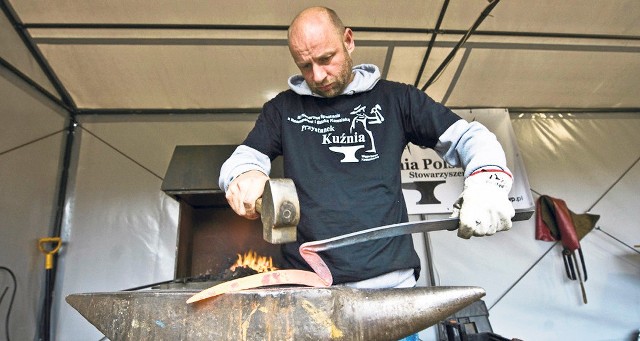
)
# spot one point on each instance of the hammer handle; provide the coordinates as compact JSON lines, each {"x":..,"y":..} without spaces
{"x":259,"y":205}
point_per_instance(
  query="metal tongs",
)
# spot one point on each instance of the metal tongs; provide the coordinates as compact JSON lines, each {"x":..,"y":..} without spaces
{"x":565,"y":231}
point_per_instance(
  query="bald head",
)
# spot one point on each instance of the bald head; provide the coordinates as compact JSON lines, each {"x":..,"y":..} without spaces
{"x":316,"y":16}
{"x":321,"y":48}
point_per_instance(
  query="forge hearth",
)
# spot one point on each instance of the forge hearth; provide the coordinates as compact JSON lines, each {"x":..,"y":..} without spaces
{"x":210,"y":234}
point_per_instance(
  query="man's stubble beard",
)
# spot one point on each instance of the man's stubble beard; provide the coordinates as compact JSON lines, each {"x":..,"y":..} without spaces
{"x":341,"y":82}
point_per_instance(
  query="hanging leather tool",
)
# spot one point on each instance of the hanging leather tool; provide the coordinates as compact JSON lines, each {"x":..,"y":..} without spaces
{"x":555,"y":222}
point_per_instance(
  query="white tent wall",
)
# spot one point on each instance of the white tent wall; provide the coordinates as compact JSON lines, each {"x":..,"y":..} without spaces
{"x":121,"y":227}
{"x":31,"y":144}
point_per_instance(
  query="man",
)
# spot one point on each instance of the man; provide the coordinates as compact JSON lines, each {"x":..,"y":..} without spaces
{"x":341,"y":131}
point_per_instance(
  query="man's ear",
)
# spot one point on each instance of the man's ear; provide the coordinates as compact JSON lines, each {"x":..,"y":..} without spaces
{"x":347,"y":40}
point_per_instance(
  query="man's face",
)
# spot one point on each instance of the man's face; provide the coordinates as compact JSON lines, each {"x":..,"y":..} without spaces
{"x":323,"y":57}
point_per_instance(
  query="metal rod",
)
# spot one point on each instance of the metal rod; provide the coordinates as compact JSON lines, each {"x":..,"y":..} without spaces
{"x":614,"y":183}
{"x":57,"y":228}
{"x":30,"y":142}
{"x":23,"y":33}
{"x":618,"y":240}
{"x":584,"y":293}
{"x":523,"y":275}
{"x":130,"y":26}
{"x":123,"y":154}
{"x":428,"y":254}
{"x":443,"y":10}
{"x":539,"y":110}
{"x":472,"y":30}
{"x":163,"y":111}
{"x":33,"y":84}
{"x":4,"y":292}
{"x":584,"y":267}
{"x":46,"y":323}
{"x":145,"y":286}
{"x":386,"y":231}
{"x":217,"y":111}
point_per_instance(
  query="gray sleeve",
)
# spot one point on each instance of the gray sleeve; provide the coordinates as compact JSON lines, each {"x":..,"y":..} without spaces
{"x":470,"y":146}
{"x":242,"y":160}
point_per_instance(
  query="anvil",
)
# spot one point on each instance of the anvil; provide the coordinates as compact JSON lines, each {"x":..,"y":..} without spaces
{"x":283,"y":313}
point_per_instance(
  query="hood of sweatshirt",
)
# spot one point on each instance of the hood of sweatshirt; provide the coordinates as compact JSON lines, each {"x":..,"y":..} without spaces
{"x":365,"y":78}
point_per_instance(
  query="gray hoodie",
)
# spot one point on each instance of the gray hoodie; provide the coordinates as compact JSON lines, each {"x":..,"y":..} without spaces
{"x":365,"y":78}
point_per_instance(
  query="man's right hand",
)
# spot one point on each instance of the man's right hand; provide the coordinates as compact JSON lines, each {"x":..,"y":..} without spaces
{"x":243,"y":192}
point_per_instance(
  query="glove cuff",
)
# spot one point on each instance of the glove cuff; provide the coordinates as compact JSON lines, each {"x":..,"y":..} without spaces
{"x":497,"y":177}
{"x":490,"y":169}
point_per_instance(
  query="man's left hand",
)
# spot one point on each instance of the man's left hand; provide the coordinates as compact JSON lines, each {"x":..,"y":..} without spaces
{"x":484,"y":207}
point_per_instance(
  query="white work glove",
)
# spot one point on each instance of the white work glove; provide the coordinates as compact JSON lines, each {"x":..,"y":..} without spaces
{"x":484,"y":207}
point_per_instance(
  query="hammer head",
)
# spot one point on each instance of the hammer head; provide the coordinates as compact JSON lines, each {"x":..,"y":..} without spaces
{"x":280,"y":211}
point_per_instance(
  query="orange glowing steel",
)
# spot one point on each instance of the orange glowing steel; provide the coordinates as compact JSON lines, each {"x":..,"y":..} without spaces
{"x":251,"y":260}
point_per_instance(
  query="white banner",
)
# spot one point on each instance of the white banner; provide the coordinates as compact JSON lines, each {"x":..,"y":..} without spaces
{"x":431,"y":186}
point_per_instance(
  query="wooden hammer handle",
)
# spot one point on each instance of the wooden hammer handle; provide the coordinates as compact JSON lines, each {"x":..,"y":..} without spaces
{"x":259,"y":205}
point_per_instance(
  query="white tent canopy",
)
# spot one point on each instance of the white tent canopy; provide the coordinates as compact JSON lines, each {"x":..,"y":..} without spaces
{"x":128,"y":55}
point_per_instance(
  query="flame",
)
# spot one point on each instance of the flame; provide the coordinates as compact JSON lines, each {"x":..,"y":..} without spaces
{"x":251,"y":260}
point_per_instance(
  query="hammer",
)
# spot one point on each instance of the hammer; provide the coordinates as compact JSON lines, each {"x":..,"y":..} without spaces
{"x":279,"y":210}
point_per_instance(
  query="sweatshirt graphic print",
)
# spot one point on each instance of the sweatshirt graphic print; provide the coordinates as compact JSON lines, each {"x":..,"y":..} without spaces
{"x":356,"y":145}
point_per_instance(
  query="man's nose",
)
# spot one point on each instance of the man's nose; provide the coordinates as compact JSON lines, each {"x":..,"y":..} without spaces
{"x":319,"y":74}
